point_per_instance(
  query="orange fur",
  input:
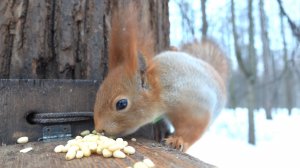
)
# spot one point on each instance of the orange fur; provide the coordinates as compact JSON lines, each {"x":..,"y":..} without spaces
{"x":155,"y":86}
{"x":128,"y":38}
{"x":191,"y":122}
{"x":210,"y":52}
{"x":189,"y":127}
{"x":123,"y":44}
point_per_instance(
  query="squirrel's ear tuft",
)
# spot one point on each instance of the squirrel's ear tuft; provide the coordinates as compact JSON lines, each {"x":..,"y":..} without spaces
{"x":142,"y":69}
{"x":130,"y":35}
{"x":123,"y":39}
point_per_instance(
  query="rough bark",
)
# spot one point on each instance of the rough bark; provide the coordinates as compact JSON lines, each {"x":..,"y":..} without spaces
{"x":65,"y":39}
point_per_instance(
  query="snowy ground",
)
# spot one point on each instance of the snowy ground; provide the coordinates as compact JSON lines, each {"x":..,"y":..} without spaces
{"x":225,"y":143}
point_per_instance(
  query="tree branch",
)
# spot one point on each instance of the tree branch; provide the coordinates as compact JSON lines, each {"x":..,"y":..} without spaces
{"x":184,"y":9}
{"x":294,"y":28}
{"x":237,"y":47}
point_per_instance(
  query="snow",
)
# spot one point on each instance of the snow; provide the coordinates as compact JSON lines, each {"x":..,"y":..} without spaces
{"x":277,"y":141}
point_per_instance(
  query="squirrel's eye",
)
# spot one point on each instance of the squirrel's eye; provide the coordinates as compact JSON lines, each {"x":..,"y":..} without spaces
{"x":121,"y":104}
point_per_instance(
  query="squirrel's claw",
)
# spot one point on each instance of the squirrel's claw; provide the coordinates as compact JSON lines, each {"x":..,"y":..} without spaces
{"x":176,"y":142}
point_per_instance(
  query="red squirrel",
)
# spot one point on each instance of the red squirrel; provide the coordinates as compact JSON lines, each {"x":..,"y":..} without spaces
{"x":187,"y":85}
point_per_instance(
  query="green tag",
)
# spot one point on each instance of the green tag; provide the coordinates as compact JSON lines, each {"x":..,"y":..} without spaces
{"x":157,"y":119}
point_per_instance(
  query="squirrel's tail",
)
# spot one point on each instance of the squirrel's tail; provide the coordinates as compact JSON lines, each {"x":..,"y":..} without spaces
{"x":210,"y":52}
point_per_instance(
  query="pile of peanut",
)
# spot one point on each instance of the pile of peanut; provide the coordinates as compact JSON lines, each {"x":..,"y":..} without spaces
{"x":86,"y":144}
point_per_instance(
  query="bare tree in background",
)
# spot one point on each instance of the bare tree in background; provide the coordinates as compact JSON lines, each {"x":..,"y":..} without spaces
{"x":268,"y":60}
{"x":204,"y":19}
{"x":295,"y":29}
{"x":249,"y":71}
{"x":287,"y":70}
{"x":274,"y":88}
{"x":238,"y":53}
{"x":187,"y":21}
{"x":252,"y":78}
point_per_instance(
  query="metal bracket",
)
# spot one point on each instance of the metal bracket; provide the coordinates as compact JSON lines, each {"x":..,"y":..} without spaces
{"x":56,"y":132}
{"x":19,"y":98}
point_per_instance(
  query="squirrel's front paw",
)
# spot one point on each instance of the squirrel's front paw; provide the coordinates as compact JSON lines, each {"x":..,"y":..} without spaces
{"x":176,"y":142}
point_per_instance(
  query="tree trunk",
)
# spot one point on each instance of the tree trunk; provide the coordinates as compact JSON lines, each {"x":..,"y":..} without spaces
{"x":268,"y":88}
{"x":288,"y":73}
{"x":250,"y":71}
{"x":65,"y":39}
{"x":204,"y":19}
{"x":237,"y":47}
{"x":232,"y":96}
{"x":289,"y":90}
{"x":251,"y":119}
{"x":252,"y":79}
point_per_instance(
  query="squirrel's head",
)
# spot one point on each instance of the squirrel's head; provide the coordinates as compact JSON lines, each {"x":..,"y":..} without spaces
{"x":124,"y":103}
{"x":129,"y":96}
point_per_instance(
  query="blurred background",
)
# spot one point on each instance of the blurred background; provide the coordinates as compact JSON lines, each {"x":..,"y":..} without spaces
{"x":260,"y":126}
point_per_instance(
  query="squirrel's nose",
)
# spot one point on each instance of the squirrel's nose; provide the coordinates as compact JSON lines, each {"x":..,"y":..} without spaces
{"x":98,"y":125}
{"x":101,"y":131}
